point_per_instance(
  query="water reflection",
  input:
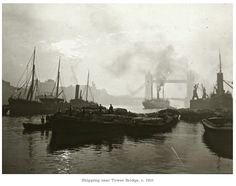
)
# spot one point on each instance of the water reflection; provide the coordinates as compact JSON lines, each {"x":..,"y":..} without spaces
{"x":186,"y":149}
{"x":221,"y":145}
{"x":63,"y":160}
{"x":61,"y":141}
{"x":146,"y":137}
{"x":30,"y":146}
{"x":100,"y":136}
{"x":71,"y":141}
{"x":42,"y":133}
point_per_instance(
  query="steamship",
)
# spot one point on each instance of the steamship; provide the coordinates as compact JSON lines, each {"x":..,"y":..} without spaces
{"x":28,"y":101}
{"x":79,"y":102}
{"x":150,"y":102}
{"x":219,"y":99}
{"x":158,"y":103}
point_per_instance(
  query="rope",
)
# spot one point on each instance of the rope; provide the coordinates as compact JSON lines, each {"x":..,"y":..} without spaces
{"x":91,"y":93}
{"x":24,"y":71}
{"x":83,"y":91}
{"x":62,"y":87}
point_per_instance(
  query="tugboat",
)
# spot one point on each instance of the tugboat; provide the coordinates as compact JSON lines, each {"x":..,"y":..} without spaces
{"x":219,"y":99}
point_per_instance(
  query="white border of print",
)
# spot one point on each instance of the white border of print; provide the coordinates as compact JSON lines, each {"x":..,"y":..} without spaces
{"x":76,"y":179}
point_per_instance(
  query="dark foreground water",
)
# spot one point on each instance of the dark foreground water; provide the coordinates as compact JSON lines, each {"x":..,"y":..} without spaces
{"x":186,"y":149}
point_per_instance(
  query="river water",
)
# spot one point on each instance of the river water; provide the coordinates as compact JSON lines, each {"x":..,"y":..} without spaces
{"x":183,"y":150}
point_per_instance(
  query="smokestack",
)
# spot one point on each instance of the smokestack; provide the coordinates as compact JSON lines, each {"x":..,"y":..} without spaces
{"x":76,"y":91}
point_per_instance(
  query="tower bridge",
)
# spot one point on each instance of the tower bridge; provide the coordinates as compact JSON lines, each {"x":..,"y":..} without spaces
{"x":150,"y":81}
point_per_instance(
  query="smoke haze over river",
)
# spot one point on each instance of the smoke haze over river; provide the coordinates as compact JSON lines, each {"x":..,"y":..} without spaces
{"x":118,"y":43}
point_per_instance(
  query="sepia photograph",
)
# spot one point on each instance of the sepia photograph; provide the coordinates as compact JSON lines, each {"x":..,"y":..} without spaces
{"x":117,"y":88}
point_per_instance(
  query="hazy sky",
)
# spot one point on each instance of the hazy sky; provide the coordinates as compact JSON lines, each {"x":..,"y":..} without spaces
{"x":118,"y":43}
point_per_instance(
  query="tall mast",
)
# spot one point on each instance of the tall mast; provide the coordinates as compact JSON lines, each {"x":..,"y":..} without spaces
{"x":220,"y":79}
{"x":58,"y":77}
{"x":30,"y":93}
{"x":220,"y":60}
{"x":87,"y":87}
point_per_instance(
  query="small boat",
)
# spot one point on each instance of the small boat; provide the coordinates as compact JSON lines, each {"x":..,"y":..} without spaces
{"x":218,"y":136}
{"x":36,"y":127}
{"x":160,"y":123}
{"x":5,"y":110}
{"x":26,"y":100}
{"x":218,"y":125}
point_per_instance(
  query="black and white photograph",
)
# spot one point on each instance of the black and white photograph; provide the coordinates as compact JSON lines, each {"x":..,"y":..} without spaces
{"x":107,"y":88}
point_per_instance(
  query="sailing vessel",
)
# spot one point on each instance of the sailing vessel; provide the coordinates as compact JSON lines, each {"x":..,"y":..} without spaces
{"x":52,"y":103}
{"x":25,"y":104}
{"x":27,"y":101}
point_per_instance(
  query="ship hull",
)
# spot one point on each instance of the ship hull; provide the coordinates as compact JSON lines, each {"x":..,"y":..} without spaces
{"x":36,"y":127}
{"x":156,"y":104}
{"x":79,"y":103}
{"x":53,"y":105}
{"x":105,"y":127}
{"x":21,"y":107}
{"x":217,"y":102}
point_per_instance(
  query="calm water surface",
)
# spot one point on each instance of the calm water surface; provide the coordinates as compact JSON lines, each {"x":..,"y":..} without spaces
{"x":183,"y":150}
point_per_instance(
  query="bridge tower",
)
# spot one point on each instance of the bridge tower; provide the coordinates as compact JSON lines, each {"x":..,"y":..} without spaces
{"x":148,"y":86}
{"x":189,"y":88}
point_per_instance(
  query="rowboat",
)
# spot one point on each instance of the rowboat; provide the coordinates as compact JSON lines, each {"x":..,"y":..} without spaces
{"x":218,"y":136}
{"x":218,"y":125}
{"x":36,"y":127}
